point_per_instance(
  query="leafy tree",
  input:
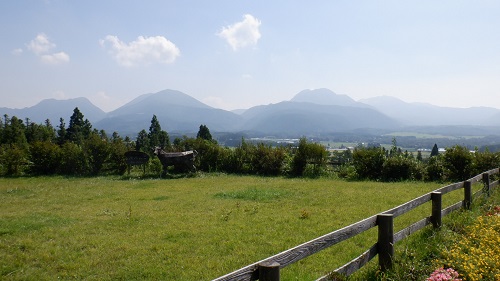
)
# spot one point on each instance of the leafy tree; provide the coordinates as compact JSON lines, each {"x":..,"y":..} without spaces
{"x":117,"y":148}
{"x":308,"y":153}
{"x":73,"y":160}
{"x":434,"y":170}
{"x":96,"y":152}
{"x":13,"y":159}
{"x":398,"y":168}
{"x":142,"y":142}
{"x":45,"y":157}
{"x":484,"y":161}
{"x":204,"y":133}
{"x":14,"y":132}
{"x":37,"y":132}
{"x":369,"y":162}
{"x":457,"y":162}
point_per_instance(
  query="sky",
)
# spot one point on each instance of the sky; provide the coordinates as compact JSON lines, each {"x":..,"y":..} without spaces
{"x":235,"y":54}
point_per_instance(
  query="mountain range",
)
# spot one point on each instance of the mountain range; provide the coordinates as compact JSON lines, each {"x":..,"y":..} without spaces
{"x":309,"y":112}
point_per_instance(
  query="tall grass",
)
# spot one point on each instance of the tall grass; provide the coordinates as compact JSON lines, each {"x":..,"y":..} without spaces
{"x":182,"y":229}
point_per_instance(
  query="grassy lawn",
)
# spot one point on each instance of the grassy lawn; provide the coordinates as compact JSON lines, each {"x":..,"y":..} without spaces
{"x":198,"y":228}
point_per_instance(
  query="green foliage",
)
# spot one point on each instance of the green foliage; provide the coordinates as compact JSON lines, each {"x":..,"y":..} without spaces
{"x":13,"y":160}
{"x":96,"y":151}
{"x":156,"y":136}
{"x":73,"y":161}
{"x":45,"y":157}
{"x":435,"y":150}
{"x":398,"y":168}
{"x":484,"y":161}
{"x":369,"y":162}
{"x":204,"y":133}
{"x":78,"y":129}
{"x":457,"y":163}
{"x":308,"y":153}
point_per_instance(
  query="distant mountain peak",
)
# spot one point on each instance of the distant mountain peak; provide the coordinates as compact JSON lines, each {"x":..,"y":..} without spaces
{"x":323,"y":96}
{"x":170,"y":97}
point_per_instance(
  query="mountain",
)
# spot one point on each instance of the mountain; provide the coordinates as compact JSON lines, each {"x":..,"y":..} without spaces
{"x":176,"y":112}
{"x":53,"y":110}
{"x":300,"y":118}
{"x":422,"y":114}
{"x":325,"y":97}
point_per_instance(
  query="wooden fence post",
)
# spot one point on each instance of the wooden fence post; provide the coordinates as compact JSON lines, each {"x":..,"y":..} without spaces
{"x":436,"y":209}
{"x":385,"y":244}
{"x":486,"y":182}
{"x":269,"y":271}
{"x":467,"y":195}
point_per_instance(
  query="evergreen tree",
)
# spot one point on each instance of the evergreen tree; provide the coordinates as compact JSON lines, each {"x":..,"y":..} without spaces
{"x":75,"y":131}
{"x":419,"y":156}
{"x":156,"y":136}
{"x":61,"y":132}
{"x":142,"y":142}
{"x":435,"y":150}
{"x":204,"y":133}
{"x":14,"y":132}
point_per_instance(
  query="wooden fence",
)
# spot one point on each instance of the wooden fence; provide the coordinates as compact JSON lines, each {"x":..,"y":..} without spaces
{"x":269,"y":268}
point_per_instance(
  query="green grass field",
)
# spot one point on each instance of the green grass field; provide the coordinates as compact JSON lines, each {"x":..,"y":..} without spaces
{"x":198,"y":228}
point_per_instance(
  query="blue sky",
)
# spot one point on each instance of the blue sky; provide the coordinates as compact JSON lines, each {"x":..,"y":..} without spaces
{"x":237,"y":54}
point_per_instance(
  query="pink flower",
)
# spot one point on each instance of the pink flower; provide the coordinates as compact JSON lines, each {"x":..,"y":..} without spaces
{"x":441,"y":274}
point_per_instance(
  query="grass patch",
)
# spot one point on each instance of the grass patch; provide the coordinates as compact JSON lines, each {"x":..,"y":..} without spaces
{"x":109,"y":228}
{"x":254,"y":194}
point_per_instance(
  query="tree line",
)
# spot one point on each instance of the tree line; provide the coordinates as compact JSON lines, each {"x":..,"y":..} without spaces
{"x":27,"y":148}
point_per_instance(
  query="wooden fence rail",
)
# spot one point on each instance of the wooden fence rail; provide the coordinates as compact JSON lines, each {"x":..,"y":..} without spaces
{"x":269,"y":268}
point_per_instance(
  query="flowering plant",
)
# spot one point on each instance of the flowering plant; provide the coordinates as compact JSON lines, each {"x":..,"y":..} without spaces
{"x":494,"y":212}
{"x":442,"y":274}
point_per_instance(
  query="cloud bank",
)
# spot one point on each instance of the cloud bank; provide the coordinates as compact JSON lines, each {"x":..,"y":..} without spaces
{"x":41,"y":47}
{"x":143,"y":51}
{"x":242,"y":34}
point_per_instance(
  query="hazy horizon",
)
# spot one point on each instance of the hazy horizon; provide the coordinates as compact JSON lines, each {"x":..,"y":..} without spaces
{"x":234,"y":55}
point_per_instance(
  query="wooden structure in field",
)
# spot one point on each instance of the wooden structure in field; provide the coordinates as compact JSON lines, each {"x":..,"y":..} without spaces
{"x":182,"y":161}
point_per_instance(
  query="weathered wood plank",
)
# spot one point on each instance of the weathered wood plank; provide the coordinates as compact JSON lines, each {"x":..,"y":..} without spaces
{"x":450,"y":188}
{"x":304,"y":250}
{"x":493,"y":171}
{"x":493,"y":184}
{"x":403,"y":233}
{"x":355,"y":264}
{"x":403,"y":208}
{"x":452,"y":208}
{"x":476,"y":179}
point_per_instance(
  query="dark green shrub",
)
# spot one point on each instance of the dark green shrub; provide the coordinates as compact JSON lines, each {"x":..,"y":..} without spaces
{"x":45,"y":158}
{"x":398,"y":168}
{"x":457,"y":163}
{"x":369,"y":162}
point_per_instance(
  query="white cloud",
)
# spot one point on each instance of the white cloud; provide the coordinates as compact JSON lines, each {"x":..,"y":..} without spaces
{"x":56,"y":58}
{"x":41,"y":46}
{"x":144,"y":50}
{"x":242,"y":34}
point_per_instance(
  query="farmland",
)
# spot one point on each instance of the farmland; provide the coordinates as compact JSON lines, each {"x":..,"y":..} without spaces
{"x":110,"y":228}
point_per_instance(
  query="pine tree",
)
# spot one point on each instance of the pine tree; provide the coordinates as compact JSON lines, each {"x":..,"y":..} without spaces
{"x":156,"y":136}
{"x":435,"y":150}
{"x":204,"y":133}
